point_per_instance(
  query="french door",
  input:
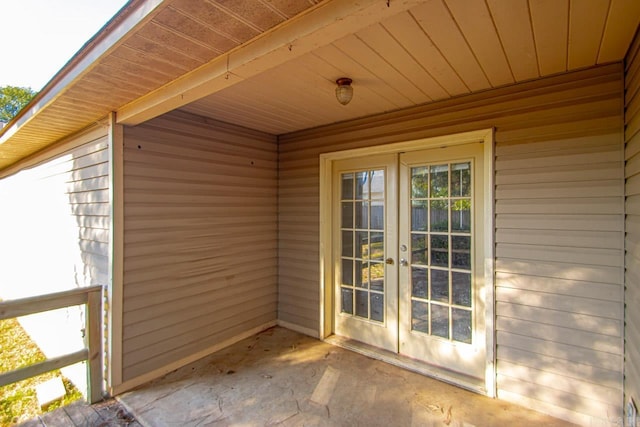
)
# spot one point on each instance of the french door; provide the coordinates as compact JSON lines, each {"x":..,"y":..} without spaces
{"x":408,"y":262}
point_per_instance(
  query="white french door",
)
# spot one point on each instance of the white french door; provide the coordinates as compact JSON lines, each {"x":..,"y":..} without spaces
{"x":408,"y":260}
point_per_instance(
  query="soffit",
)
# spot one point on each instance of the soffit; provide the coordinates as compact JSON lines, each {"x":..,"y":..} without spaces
{"x":416,"y":52}
{"x":167,"y":42}
{"x":433,"y":51}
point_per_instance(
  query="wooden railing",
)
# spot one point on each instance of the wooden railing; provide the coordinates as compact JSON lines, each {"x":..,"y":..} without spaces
{"x":92,"y":353}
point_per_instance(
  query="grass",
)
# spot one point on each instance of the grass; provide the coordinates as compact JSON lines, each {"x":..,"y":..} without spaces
{"x":18,"y":401}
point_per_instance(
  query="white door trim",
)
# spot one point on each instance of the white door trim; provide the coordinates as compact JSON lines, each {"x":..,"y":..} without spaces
{"x":486,"y":136}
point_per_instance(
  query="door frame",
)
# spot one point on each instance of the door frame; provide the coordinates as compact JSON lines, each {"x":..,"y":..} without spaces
{"x":326,"y":300}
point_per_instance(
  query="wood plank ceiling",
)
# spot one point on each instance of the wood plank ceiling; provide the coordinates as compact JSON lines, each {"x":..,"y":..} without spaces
{"x":178,"y":36}
{"x":435,"y":50}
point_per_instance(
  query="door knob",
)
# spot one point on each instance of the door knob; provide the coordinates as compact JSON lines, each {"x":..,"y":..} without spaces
{"x":404,"y":262}
{"x":389,"y":261}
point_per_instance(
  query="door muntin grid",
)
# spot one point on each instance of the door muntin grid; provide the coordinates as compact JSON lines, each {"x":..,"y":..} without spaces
{"x":362,"y":248}
{"x":441,"y":251}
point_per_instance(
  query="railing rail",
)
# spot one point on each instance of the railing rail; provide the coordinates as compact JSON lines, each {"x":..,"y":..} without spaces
{"x":89,"y":296}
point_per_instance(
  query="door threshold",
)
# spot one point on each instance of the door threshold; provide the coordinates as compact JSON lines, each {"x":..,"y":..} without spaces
{"x":457,"y":379}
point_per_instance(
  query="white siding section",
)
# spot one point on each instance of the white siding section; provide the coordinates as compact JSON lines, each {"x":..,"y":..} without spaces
{"x":54,"y":222}
{"x":559,"y":224}
{"x":632,"y":237}
{"x":200,"y":258}
{"x":54,"y":236}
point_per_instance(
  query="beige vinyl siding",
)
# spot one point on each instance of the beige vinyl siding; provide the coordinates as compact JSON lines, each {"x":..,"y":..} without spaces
{"x":200,"y":248}
{"x":632,"y":236}
{"x":559,"y":224}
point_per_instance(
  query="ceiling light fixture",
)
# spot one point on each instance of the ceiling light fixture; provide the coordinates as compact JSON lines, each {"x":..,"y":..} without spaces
{"x":344,"y":91}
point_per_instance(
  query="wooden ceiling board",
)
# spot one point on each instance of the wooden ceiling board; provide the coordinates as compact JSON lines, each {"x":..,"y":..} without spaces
{"x":114,"y":72}
{"x":176,"y":40}
{"x":379,"y":39}
{"x":371,"y":100}
{"x":550,"y":21}
{"x":404,"y":28}
{"x":361,"y":75}
{"x":251,"y":12}
{"x":216,"y":19}
{"x":513,"y":24}
{"x":192,"y":28}
{"x":122,"y":65}
{"x":354,"y":47}
{"x":162,"y":65}
{"x":584,"y":45}
{"x":434,"y":17}
{"x":622,"y":22}
{"x":161,"y":51}
{"x":475,"y":22}
{"x":289,"y":8}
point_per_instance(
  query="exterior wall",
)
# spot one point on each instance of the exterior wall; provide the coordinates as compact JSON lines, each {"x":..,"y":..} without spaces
{"x":559,"y":227}
{"x":200,"y":245}
{"x":55,"y":236}
{"x":632,"y":238}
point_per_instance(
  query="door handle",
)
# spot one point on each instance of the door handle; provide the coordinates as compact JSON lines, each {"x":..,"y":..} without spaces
{"x":389,"y":261}
{"x":404,"y":262}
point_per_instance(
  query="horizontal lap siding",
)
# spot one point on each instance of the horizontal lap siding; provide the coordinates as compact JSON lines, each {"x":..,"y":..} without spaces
{"x":559,"y":228}
{"x":57,"y":212}
{"x":632,"y":237}
{"x":200,"y":261}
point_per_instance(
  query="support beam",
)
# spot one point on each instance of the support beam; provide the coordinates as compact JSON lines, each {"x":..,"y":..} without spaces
{"x":319,"y":26}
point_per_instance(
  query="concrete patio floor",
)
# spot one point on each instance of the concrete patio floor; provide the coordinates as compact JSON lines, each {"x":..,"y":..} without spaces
{"x":280,"y":377}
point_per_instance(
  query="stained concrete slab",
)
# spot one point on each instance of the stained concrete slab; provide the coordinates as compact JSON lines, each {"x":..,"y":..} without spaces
{"x":280,"y":377}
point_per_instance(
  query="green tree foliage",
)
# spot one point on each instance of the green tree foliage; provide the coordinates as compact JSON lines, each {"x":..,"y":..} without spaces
{"x":12,"y":100}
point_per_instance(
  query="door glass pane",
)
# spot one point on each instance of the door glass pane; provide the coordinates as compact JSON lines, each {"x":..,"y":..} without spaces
{"x":347,"y":243}
{"x":376,"y":273}
{"x":347,"y":186}
{"x":461,"y":284}
{"x":362,"y":244}
{"x":362,"y":215}
{"x":419,"y":282}
{"x":362,"y":274}
{"x":461,"y":179}
{"x":461,"y":252}
{"x":461,"y":215}
{"x":439,"y":181}
{"x":419,"y":248}
{"x":440,"y":285}
{"x":362,"y":185}
{"x":439,"y":220}
{"x":377,"y":307}
{"x":440,"y":320}
{"x":362,"y":304}
{"x":363,"y":250}
{"x":420,"y":183}
{"x":347,"y":300}
{"x":347,"y":215}
{"x":377,"y":215}
{"x":347,"y":272}
{"x":420,"y":316}
{"x":441,"y":248}
{"x":376,"y":246}
{"x":461,"y":325}
{"x":419,"y":211}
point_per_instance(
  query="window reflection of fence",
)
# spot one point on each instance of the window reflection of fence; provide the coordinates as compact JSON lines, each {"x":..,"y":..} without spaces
{"x":92,"y":298}
{"x":461,"y":219}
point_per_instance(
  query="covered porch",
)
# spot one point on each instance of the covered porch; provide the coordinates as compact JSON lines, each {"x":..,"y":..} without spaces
{"x":281,"y":377}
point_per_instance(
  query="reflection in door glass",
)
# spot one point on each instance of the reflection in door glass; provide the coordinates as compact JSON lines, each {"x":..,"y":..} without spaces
{"x":362,"y":200}
{"x":441,"y":250}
